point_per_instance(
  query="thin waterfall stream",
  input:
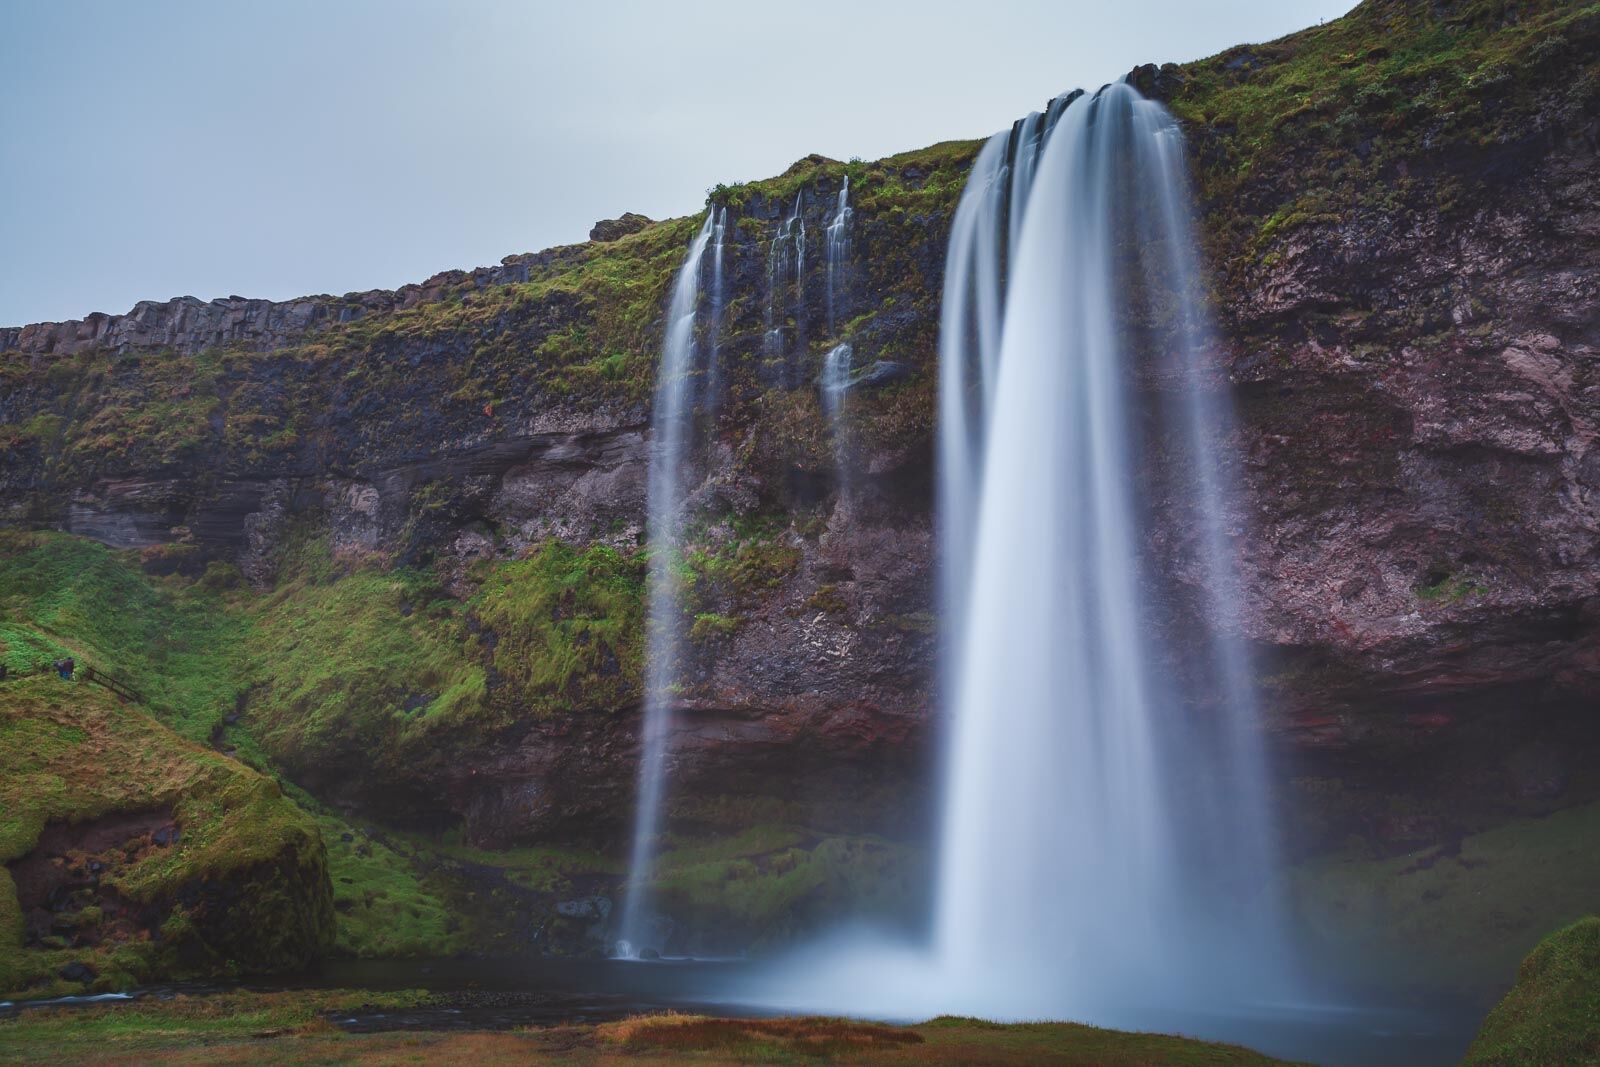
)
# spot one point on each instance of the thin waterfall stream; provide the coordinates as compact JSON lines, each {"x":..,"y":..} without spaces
{"x":671,"y":414}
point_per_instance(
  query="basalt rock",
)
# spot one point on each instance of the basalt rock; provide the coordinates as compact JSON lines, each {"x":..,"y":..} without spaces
{"x":611,"y":229}
{"x":1409,"y":332}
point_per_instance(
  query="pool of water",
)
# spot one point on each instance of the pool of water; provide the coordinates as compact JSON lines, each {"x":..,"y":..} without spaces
{"x":507,"y":993}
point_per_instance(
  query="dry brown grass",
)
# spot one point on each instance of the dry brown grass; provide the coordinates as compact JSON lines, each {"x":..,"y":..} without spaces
{"x":808,"y":1036}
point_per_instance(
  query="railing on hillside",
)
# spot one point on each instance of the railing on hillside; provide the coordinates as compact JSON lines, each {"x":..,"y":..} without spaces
{"x":116,"y":685}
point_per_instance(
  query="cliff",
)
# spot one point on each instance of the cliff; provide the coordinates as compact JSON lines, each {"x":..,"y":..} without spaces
{"x":437,"y":494}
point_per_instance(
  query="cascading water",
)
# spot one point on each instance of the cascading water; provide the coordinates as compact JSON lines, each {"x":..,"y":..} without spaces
{"x":838,"y":251}
{"x":791,"y":236}
{"x":1105,"y":853}
{"x":719,"y":231}
{"x":669,"y":422}
{"x":1104,"y":838}
{"x":835,"y":383}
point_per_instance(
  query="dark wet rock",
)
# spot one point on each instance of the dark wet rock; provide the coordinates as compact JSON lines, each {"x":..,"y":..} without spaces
{"x":611,"y":229}
{"x":880,"y":372}
{"x":77,"y":971}
{"x":595,"y":907}
{"x":1415,"y":376}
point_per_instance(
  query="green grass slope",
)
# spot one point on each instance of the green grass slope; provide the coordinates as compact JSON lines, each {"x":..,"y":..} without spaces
{"x":243,"y":887}
{"x":1551,"y":1017}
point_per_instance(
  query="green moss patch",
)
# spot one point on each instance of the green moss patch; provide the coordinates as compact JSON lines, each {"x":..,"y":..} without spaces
{"x":767,"y":885}
{"x":568,"y":625}
{"x":242,"y":886}
{"x":1551,"y":1016}
{"x":174,"y":641}
{"x":1459,"y":916}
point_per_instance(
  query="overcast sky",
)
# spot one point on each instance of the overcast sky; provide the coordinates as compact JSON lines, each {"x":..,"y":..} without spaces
{"x":154,"y":149}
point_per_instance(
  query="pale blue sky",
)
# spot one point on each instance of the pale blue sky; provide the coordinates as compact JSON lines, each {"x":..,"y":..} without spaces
{"x":167,"y":147}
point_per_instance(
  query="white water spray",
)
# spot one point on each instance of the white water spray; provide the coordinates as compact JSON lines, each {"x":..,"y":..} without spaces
{"x":838,"y":251}
{"x":1104,"y":853}
{"x":719,"y":231}
{"x":835,"y":384}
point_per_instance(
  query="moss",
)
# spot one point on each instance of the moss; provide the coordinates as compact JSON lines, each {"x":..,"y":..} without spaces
{"x":767,"y":884}
{"x":1352,"y":101}
{"x":708,"y":626}
{"x":748,"y":558}
{"x":568,"y":625}
{"x":827,"y":600}
{"x":173,"y":642}
{"x":1458,"y":916}
{"x":349,"y":660}
{"x":11,"y":934}
{"x":1552,"y":1015}
{"x":383,"y":905}
{"x":244,"y":889}
{"x":1441,"y":586}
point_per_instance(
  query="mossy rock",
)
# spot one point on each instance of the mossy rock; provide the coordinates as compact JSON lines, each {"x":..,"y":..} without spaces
{"x":1552,"y":1015}
{"x":142,"y":856}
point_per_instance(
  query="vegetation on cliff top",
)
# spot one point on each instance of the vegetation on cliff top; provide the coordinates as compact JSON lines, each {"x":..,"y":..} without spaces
{"x":1356,"y":114}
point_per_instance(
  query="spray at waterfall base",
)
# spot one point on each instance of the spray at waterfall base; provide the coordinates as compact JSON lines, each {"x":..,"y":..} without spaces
{"x":1105,"y":850}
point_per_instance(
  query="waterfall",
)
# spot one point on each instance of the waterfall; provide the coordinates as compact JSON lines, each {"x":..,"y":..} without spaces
{"x":791,"y":235}
{"x":838,"y":250}
{"x":836,"y":367}
{"x":1105,"y":852}
{"x":1101,"y":840}
{"x":669,"y":420}
{"x":719,"y":232}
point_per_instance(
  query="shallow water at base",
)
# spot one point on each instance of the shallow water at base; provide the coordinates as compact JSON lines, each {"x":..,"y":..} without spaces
{"x":502,"y":994}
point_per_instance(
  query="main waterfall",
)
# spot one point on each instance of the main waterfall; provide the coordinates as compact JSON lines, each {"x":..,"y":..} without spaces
{"x":1105,"y":851}
{"x":1104,"y":829}
{"x":671,"y":417}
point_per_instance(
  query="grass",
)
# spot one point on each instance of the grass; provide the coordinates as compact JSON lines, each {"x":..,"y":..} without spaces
{"x":1458,"y":917}
{"x":1315,"y":127}
{"x":569,"y":626}
{"x":71,"y":753}
{"x":173,"y":640}
{"x":294,"y":1028}
{"x":1551,"y":1017}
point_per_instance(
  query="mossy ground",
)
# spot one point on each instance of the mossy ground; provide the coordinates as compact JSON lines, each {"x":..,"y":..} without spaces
{"x":1453,"y":917}
{"x":72,"y":753}
{"x":767,"y":884}
{"x":1551,"y":1017}
{"x":294,"y":1028}
{"x":354,"y":662}
{"x":174,"y":640}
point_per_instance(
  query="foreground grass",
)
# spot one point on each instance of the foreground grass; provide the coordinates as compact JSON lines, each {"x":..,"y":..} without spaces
{"x":296,"y":1028}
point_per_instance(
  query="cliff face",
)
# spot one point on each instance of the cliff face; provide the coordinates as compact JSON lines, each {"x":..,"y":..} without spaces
{"x":1401,"y":211}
